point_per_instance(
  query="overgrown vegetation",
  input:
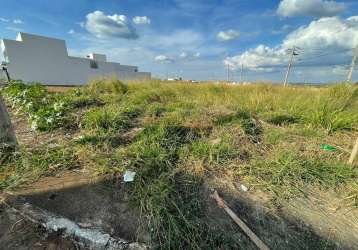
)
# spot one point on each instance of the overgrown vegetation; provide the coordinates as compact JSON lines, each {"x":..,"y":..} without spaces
{"x":177,"y":136}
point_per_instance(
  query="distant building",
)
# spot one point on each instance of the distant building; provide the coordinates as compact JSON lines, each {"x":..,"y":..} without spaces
{"x":175,"y":79}
{"x":33,"y":58}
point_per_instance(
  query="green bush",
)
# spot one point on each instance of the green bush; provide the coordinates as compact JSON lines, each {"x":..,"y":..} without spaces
{"x":107,"y":86}
{"x":45,"y":111}
{"x":110,"y":118}
{"x":78,"y":98}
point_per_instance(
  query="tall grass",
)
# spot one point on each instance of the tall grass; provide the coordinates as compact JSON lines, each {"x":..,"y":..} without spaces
{"x":266,"y":135}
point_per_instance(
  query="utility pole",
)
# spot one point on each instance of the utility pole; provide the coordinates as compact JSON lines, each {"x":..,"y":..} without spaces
{"x":294,"y":53}
{"x":354,"y":59}
{"x":242,"y":73}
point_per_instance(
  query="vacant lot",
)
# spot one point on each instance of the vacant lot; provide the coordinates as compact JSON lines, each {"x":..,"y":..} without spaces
{"x":287,"y":146}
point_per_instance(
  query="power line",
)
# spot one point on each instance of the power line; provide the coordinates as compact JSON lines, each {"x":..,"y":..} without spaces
{"x":323,"y":55}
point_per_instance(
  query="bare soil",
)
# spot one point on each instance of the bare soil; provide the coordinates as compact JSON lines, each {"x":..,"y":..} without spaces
{"x":18,"y":234}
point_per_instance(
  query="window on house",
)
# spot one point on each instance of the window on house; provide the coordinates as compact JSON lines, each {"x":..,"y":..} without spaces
{"x":136,"y":70}
{"x":93,"y":64}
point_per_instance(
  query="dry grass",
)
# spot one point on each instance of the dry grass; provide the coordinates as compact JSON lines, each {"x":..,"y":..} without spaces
{"x":265,"y":136}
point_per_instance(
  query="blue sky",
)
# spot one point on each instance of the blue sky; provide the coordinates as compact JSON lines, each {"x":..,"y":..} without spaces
{"x":197,"y":38}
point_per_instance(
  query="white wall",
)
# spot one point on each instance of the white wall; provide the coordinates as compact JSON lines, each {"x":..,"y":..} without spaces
{"x":35,"y":58}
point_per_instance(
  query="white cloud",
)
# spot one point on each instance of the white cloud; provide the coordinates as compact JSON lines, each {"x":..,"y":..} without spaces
{"x":258,"y":59}
{"x":141,"y":20}
{"x":71,"y":32}
{"x":163,"y":59}
{"x":330,"y":32}
{"x":228,"y":35}
{"x":4,"y":20}
{"x":316,"y":8}
{"x":327,"y":41}
{"x":103,"y":26}
{"x":186,"y":56}
{"x":17,"y":21}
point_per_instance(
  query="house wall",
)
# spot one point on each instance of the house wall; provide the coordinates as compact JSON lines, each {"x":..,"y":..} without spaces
{"x":33,"y":58}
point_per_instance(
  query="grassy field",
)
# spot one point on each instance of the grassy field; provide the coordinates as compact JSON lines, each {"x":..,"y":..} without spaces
{"x":182,"y":138}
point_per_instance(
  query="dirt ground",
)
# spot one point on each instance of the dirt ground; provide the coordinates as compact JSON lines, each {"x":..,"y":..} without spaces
{"x":18,"y":234}
{"x":59,"y":89}
{"x":91,"y":202}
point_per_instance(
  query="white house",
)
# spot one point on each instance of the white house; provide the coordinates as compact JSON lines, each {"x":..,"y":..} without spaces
{"x":33,"y":58}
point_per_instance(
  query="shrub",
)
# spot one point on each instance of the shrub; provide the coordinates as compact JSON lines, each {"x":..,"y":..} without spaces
{"x":78,"y":98}
{"x":110,"y":118}
{"x":107,"y":86}
{"x":46,"y":112}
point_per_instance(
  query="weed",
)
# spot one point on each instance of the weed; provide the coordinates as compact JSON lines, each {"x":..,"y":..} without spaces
{"x":78,"y":98}
{"x":251,"y":126}
{"x":107,"y":86}
{"x":31,"y":165}
{"x":286,"y":174}
{"x":110,"y":118}
{"x":46,"y":112}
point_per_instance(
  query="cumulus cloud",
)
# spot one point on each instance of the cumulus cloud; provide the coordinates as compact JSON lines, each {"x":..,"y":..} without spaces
{"x":331,"y":37}
{"x":103,"y":26}
{"x":259,"y":58}
{"x":71,"y":32}
{"x":315,"y":8}
{"x":17,"y":21}
{"x":141,"y":20}
{"x":163,"y":59}
{"x":228,"y":35}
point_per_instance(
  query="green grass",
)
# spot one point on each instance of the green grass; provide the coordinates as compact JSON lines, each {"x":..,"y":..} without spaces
{"x":21,"y":167}
{"x":109,"y":118}
{"x":267,"y":136}
{"x":286,"y":174}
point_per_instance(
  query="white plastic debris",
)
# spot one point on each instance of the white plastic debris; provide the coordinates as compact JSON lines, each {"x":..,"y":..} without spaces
{"x":129,"y":176}
{"x":244,"y":188}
